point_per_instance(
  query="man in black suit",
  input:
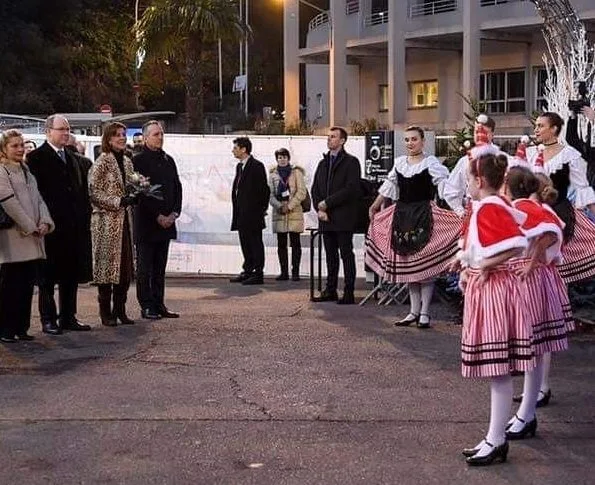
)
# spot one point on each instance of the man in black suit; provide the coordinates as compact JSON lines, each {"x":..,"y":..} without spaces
{"x":155,"y":223}
{"x":336,"y":196}
{"x":62,"y":181}
{"x":250,"y":200}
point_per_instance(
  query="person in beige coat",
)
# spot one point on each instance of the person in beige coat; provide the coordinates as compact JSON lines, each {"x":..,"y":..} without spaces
{"x":21,"y":245}
{"x":111,"y":225}
{"x":288,"y":190}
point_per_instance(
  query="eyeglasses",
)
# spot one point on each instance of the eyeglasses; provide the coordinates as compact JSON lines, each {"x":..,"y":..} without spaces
{"x":61,"y":129}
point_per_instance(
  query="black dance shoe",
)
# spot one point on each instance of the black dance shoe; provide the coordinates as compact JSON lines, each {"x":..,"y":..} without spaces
{"x":498,"y":453}
{"x":408,"y":320}
{"x":425,"y":323}
{"x":542,"y":401}
{"x":529,"y":428}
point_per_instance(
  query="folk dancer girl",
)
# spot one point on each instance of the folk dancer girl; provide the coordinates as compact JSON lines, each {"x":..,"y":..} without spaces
{"x":545,"y":294}
{"x":413,"y":240}
{"x":497,"y":334}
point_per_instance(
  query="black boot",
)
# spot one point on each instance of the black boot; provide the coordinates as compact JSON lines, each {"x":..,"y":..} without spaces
{"x":120,"y":297}
{"x":296,"y":257}
{"x":104,"y":297}
{"x":283,"y":263}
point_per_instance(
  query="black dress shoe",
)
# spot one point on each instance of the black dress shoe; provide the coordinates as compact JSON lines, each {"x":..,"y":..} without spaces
{"x":75,"y":326}
{"x":51,"y":328}
{"x":542,"y":401}
{"x":346,"y":299}
{"x":529,"y":428}
{"x":295,"y":277}
{"x":8,"y":340}
{"x":408,"y":320}
{"x":239,"y":278}
{"x":498,"y":453}
{"x":426,"y":321}
{"x":255,"y":279}
{"x":25,"y":337}
{"x":282,"y":277}
{"x":327,"y":295}
{"x":165,"y":313}
{"x":149,"y":314}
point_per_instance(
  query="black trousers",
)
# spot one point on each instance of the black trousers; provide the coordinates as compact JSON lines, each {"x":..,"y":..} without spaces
{"x":16,"y":294}
{"x":151,"y":260}
{"x":252,"y":250}
{"x":67,"y":290}
{"x":336,"y":242}
{"x":296,"y":251}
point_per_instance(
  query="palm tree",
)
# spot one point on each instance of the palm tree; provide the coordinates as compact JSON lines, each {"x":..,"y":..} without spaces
{"x":187,"y":30}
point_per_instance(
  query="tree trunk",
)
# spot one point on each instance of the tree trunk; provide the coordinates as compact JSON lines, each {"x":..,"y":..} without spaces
{"x":194,"y":87}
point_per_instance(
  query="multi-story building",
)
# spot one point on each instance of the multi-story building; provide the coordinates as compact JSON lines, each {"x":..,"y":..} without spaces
{"x":405,"y":61}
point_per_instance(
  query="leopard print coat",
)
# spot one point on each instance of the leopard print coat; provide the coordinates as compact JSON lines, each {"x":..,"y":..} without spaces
{"x":106,"y":187}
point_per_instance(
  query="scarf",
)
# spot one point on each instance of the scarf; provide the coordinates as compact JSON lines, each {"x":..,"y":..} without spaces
{"x":284,"y":173}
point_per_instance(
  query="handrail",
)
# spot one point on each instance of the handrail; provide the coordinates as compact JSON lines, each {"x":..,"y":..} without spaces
{"x":489,"y":3}
{"x":431,"y":8}
{"x":351,"y":6}
{"x":320,"y":19}
{"x":376,"y":18}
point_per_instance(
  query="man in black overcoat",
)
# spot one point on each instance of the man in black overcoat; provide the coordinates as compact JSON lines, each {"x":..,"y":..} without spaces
{"x":155,"y":223}
{"x":336,"y":196}
{"x":250,"y":200}
{"x":62,"y":182}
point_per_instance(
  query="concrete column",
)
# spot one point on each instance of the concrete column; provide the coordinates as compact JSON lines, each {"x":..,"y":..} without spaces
{"x":291,"y":65}
{"x":471,"y":49}
{"x":397,"y":72}
{"x":338,"y":65}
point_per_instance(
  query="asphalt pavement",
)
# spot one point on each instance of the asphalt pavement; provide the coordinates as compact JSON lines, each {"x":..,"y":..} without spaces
{"x":257,"y":385}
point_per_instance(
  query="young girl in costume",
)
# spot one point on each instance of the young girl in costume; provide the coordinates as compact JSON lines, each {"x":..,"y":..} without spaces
{"x":497,"y":334}
{"x":544,"y":292}
{"x":413,"y":240}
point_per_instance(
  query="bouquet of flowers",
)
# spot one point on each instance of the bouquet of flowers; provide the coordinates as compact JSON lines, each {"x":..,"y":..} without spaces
{"x":137,"y":184}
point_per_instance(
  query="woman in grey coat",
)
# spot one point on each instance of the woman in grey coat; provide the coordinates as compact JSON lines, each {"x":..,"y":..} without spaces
{"x":21,"y":245}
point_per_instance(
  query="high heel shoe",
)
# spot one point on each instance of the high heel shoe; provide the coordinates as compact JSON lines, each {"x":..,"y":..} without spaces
{"x":498,"y":453}
{"x":529,"y":428}
{"x":408,"y":320}
{"x":472,"y":451}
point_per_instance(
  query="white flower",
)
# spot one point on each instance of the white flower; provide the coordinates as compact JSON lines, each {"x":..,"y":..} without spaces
{"x":525,"y":139}
{"x":482,"y":118}
{"x":467,"y":144}
{"x":540,"y":147}
{"x":134,"y":177}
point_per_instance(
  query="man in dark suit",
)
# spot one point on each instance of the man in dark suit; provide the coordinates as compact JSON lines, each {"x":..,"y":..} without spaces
{"x":62,"y":182}
{"x":336,"y":196}
{"x":155,"y":223}
{"x":250,"y":200}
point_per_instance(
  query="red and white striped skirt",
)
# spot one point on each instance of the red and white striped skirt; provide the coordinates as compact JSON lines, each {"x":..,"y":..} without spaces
{"x":579,"y":252}
{"x":497,"y":333}
{"x":546,"y":303}
{"x":427,"y":263}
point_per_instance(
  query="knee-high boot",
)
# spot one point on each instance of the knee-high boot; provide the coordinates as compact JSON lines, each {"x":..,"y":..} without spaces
{"x":283,"y":263}
{"x":104,"y":297}
{"x":296,"y":257}
{"x":120,"y":297}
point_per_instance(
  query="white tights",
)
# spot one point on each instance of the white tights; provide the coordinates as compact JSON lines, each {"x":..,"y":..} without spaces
{"x":420,"y":297}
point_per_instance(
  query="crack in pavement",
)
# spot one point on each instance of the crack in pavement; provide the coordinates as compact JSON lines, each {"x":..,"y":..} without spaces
{"x":237,"y":390}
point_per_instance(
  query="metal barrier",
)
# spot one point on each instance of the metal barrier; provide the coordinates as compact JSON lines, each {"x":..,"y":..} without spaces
{"x":315,"y":236}
{"x":490,"y":3}
{"x":431,"y":8}
{"x":351,"y":6}
{"x":320,"y":19}
{"x":377,"y":18}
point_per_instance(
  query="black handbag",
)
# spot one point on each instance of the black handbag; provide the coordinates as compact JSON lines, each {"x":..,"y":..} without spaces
{"x":6,"y":221}
{"x":307,"y":202}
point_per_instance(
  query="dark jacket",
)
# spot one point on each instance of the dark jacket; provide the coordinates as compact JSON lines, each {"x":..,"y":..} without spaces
{"x":64,"y":189}
{"x":583,"y":146}
{"x":249,"y":196}
{"x":340,"y":190}
{"x":161,"y":169}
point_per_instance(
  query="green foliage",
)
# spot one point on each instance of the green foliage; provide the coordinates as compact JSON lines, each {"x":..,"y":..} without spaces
{"x":359,"y":128}
{"x":299,"y":128}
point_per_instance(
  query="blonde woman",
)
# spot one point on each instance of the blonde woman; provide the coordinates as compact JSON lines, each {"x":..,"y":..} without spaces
{"x":21,"y":245}
{"x":288,"y":190}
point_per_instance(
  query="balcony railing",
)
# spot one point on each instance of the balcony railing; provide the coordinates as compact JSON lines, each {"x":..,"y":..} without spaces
{"x":417,"y":9}
{"x":490,"y":3}
{"x":351,"y":6}
{"x":321,"y":19}
{"x":376,"y":18}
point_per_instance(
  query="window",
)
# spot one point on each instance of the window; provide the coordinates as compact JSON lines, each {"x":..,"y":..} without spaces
{"x":383,"y":98}
{"x":319,"y":105}
{"x":540,"y":78}
{"x":423,"y":94}
{"x":503,"y":91}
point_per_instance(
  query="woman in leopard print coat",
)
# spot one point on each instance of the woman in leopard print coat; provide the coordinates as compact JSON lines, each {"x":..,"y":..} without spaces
{"x":111,"y":225}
